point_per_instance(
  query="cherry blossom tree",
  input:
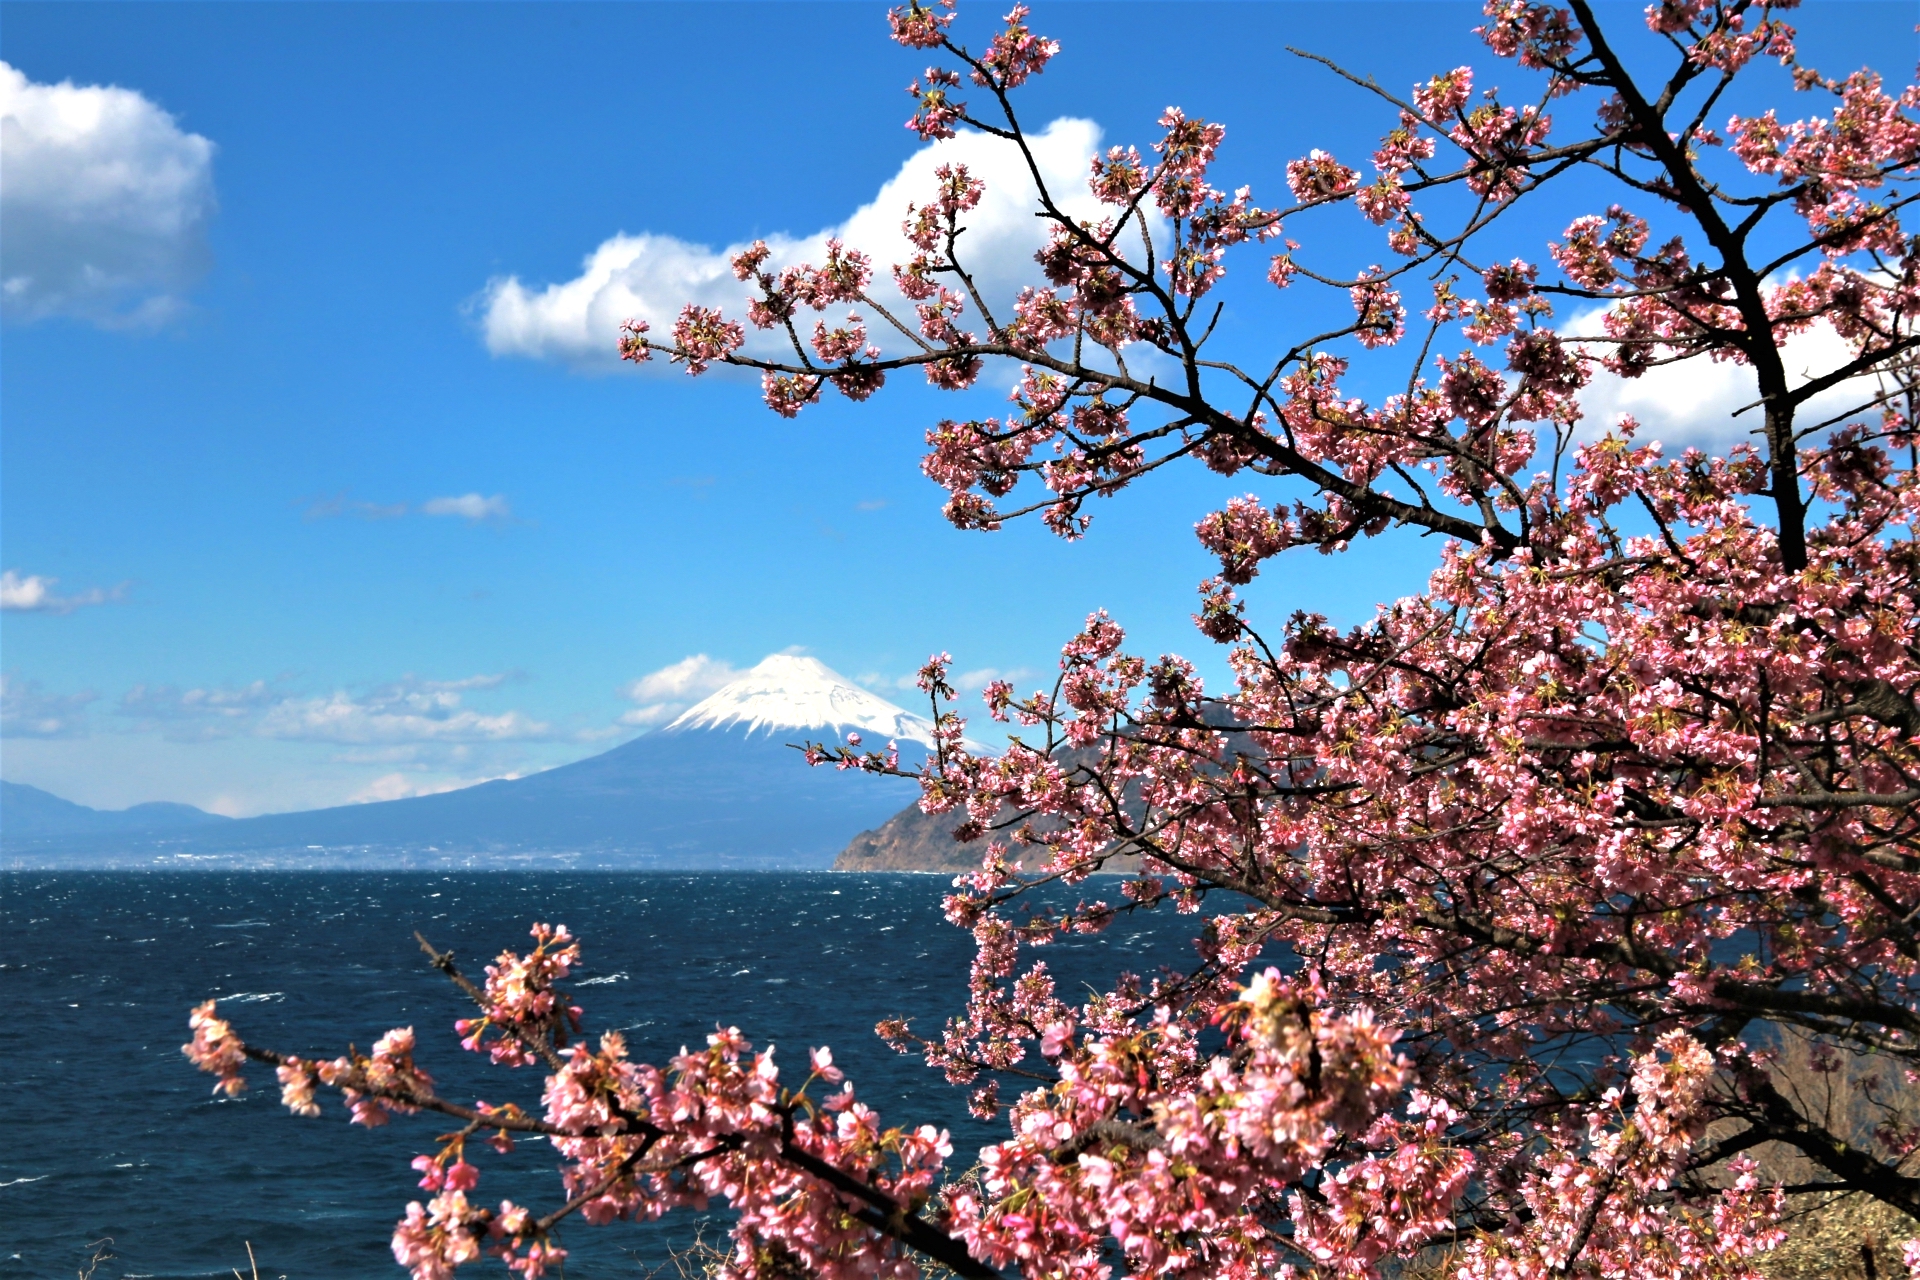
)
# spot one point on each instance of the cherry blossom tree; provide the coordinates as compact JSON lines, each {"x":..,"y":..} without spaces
{"x":1506,"y":899}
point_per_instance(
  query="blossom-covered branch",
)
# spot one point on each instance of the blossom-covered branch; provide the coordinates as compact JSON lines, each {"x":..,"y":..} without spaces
{"x":818,"y":1185}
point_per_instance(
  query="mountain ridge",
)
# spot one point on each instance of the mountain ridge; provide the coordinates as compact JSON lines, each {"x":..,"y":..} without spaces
{"x":720,"y":788}
{"x":42,"y":812}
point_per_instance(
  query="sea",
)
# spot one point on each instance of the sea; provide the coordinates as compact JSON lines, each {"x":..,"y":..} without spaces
{"x":115,"y":1154}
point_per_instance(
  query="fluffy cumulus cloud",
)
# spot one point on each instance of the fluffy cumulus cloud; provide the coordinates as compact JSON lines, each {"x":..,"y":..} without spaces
{"x":1695,"y":402}
{"x":649,"y":277}
{"x":661,"y":695}
{"x":104,"y":202}
{"x":28,"y":711}
{"x":32,"y":593}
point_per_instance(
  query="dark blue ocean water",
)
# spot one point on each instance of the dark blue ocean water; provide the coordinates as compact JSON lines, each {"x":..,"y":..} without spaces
{"x":106,"y":1132}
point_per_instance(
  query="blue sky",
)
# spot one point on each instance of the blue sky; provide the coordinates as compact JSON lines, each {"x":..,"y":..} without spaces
{"x":306,"y":521}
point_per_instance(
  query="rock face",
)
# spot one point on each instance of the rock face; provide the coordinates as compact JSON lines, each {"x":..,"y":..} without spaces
{"x":914,"y":841}
{"x":911,"y":841}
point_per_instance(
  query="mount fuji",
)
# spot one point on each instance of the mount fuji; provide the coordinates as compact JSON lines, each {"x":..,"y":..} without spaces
{"x":719,"y":787}
{"x":787,"y":692}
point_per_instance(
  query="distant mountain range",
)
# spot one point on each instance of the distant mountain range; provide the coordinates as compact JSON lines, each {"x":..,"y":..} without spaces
{"x":28,"y":812}
{"x":719,"y":787}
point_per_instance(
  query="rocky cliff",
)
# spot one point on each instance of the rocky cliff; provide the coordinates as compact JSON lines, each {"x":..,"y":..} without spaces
{"x":911,"y":841}
{"x":914,"y":841}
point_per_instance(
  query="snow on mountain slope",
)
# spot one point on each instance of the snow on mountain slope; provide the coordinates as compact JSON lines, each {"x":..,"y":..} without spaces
{"x":787,"y":692}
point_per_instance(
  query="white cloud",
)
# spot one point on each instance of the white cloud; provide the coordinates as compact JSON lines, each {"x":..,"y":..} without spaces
{"x":469,"y":506}
{"x":1693,"y":402}
{"x":35,"y":594}
{"x":340,"y":504}
{"x":974,"y":681}
{"x":402,"y":786}
{"x":472,"y":507}
{"x":412,"y":755}
{"x":649,"y":276}
{"x":198,"y":713}
{"x":406,"y":711}
{"x":665,"y":693}
{"x":28,"y":711}
{"x":104,"y":202}
{"x":963,"y":682}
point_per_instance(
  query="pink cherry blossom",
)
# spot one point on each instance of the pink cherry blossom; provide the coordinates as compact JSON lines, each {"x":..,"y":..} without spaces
{"x":1015,"y":54}
{"x":702,"y":335}
{"x":919,"y":26}
{"x":215,"y":1048}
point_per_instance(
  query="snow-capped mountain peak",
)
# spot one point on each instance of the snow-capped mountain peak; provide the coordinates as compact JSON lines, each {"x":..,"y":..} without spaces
{"x":787,"y":692}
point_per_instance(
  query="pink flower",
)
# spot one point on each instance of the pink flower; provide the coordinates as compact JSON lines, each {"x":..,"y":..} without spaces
{"x":747,"y":263}
{"x":1015,"y":54}
{"x":436,"y":1237}
{"x":633,"y":341}
{"x":937,"y":112}
{"x":917,"y":26}
{"x":702,"y":335}
{"x":787,"y":395}
{"x":216,"y":1049}
{"x":823,"y":1067}
{"x":1444,"y":95}
{"x":1381,"y":319}
{"x":1319,"y":177}
{"x":842,"y":343}
{"x":297,"y":1082}
{"x":1118,"y":176}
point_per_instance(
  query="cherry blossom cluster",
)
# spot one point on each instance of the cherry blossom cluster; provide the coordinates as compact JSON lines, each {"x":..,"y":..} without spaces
{"x":520,"y":1008}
